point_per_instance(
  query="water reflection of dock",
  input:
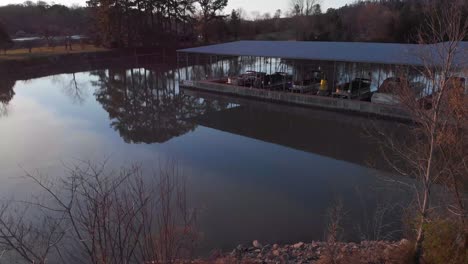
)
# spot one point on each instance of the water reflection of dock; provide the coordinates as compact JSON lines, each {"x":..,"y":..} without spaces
{"x":334,"y":135}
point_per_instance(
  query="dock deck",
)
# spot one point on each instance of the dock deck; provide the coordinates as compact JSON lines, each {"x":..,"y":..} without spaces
{"x":335,"y":104}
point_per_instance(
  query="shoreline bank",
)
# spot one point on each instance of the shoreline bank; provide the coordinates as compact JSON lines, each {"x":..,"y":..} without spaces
{"x":317,"y":252}
{"x":51,"y":64}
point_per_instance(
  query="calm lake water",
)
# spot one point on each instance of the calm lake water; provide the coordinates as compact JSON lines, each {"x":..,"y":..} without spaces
{"x":255,"y":170}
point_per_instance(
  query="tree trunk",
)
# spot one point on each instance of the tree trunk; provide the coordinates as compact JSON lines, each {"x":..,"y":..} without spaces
{"x":418,"y":251}
{"x":129,"y":34}
{"x":205,"y":30}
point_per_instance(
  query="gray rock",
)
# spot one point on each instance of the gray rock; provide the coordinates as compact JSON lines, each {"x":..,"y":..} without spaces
{"x":257,"y":244}
{"x":241,"y":248}
{"x":298,"y":245}
{"x":404,"y":242}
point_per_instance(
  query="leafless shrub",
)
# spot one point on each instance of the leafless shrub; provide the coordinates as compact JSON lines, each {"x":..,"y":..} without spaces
{"x":376,"y":233}
{"x":96,"y":216}
{"x":334,"y":231}
{"x":377,"y":226}
{"x":32,"y":242}
{"x":173,"y":233}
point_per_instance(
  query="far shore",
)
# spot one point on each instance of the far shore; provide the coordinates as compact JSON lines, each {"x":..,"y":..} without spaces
{"x":19,"y":64}
{"x":44,"y":51}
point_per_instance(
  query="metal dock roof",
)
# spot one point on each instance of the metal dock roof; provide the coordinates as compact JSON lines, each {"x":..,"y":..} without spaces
{"x":364,"y":52}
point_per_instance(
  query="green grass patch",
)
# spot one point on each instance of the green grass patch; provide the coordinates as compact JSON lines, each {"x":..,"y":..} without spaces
{"x":24,"y":54}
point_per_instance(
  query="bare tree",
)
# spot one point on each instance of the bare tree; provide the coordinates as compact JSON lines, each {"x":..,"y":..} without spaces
{"x":434,"y":150}
{"x":209,"y":12}
{"x":297,"y":7}
{"x":309,"y":6}
{"x":303,"y":7}
{"x":277,"y":14}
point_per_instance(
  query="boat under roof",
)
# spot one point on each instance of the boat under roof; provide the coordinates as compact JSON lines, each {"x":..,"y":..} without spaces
{"x":361,"y":52}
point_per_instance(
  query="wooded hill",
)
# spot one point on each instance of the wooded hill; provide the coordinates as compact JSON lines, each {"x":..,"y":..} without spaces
{"x":134,"y":23}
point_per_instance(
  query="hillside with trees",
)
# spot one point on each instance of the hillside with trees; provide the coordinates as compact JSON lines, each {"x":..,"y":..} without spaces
{"x":395,"y":21}
{"x":43,"y":19}
{"x":148,"y":23}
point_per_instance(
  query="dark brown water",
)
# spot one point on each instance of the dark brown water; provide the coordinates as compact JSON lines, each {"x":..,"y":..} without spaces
{"x":256,"y":170}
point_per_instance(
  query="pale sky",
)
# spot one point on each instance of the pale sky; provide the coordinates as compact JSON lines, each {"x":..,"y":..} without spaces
{"x":261,"y":6}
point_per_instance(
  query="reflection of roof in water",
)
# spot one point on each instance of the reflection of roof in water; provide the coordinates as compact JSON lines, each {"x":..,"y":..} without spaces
{"x":385,"y":53}
{"x":334,"y":135}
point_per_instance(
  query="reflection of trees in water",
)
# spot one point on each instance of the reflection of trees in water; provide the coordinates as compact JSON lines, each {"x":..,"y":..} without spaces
{"x":75,"y":91}
{"x":235,"y":67}
{"x":145,"y":107}
{"x":6,"y":94}
{"x":72,"y":88}
{"x":214,"y":67}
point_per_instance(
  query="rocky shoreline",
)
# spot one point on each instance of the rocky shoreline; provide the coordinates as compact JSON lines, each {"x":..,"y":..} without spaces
{"x":318,"y":252}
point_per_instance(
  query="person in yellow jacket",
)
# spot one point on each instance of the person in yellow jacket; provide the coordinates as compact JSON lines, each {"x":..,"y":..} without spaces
{"x":323,"y":90}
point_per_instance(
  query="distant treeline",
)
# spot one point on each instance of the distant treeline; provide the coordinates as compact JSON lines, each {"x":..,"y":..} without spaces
{"x":134,"y":23}
{"x":41,"y":19}
{"x":396,"y":21}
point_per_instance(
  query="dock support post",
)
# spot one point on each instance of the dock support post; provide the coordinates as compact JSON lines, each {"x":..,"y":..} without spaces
{"x":378,"y":78}
{"x":187,"y":65}
{"x":178,"y":68}
{"x":334,"y":77}
{"x":270,"y":61}
{"x":222,"y":67}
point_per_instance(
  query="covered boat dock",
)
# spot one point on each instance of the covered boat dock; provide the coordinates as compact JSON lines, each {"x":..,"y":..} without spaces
{"x":215,"y":68}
